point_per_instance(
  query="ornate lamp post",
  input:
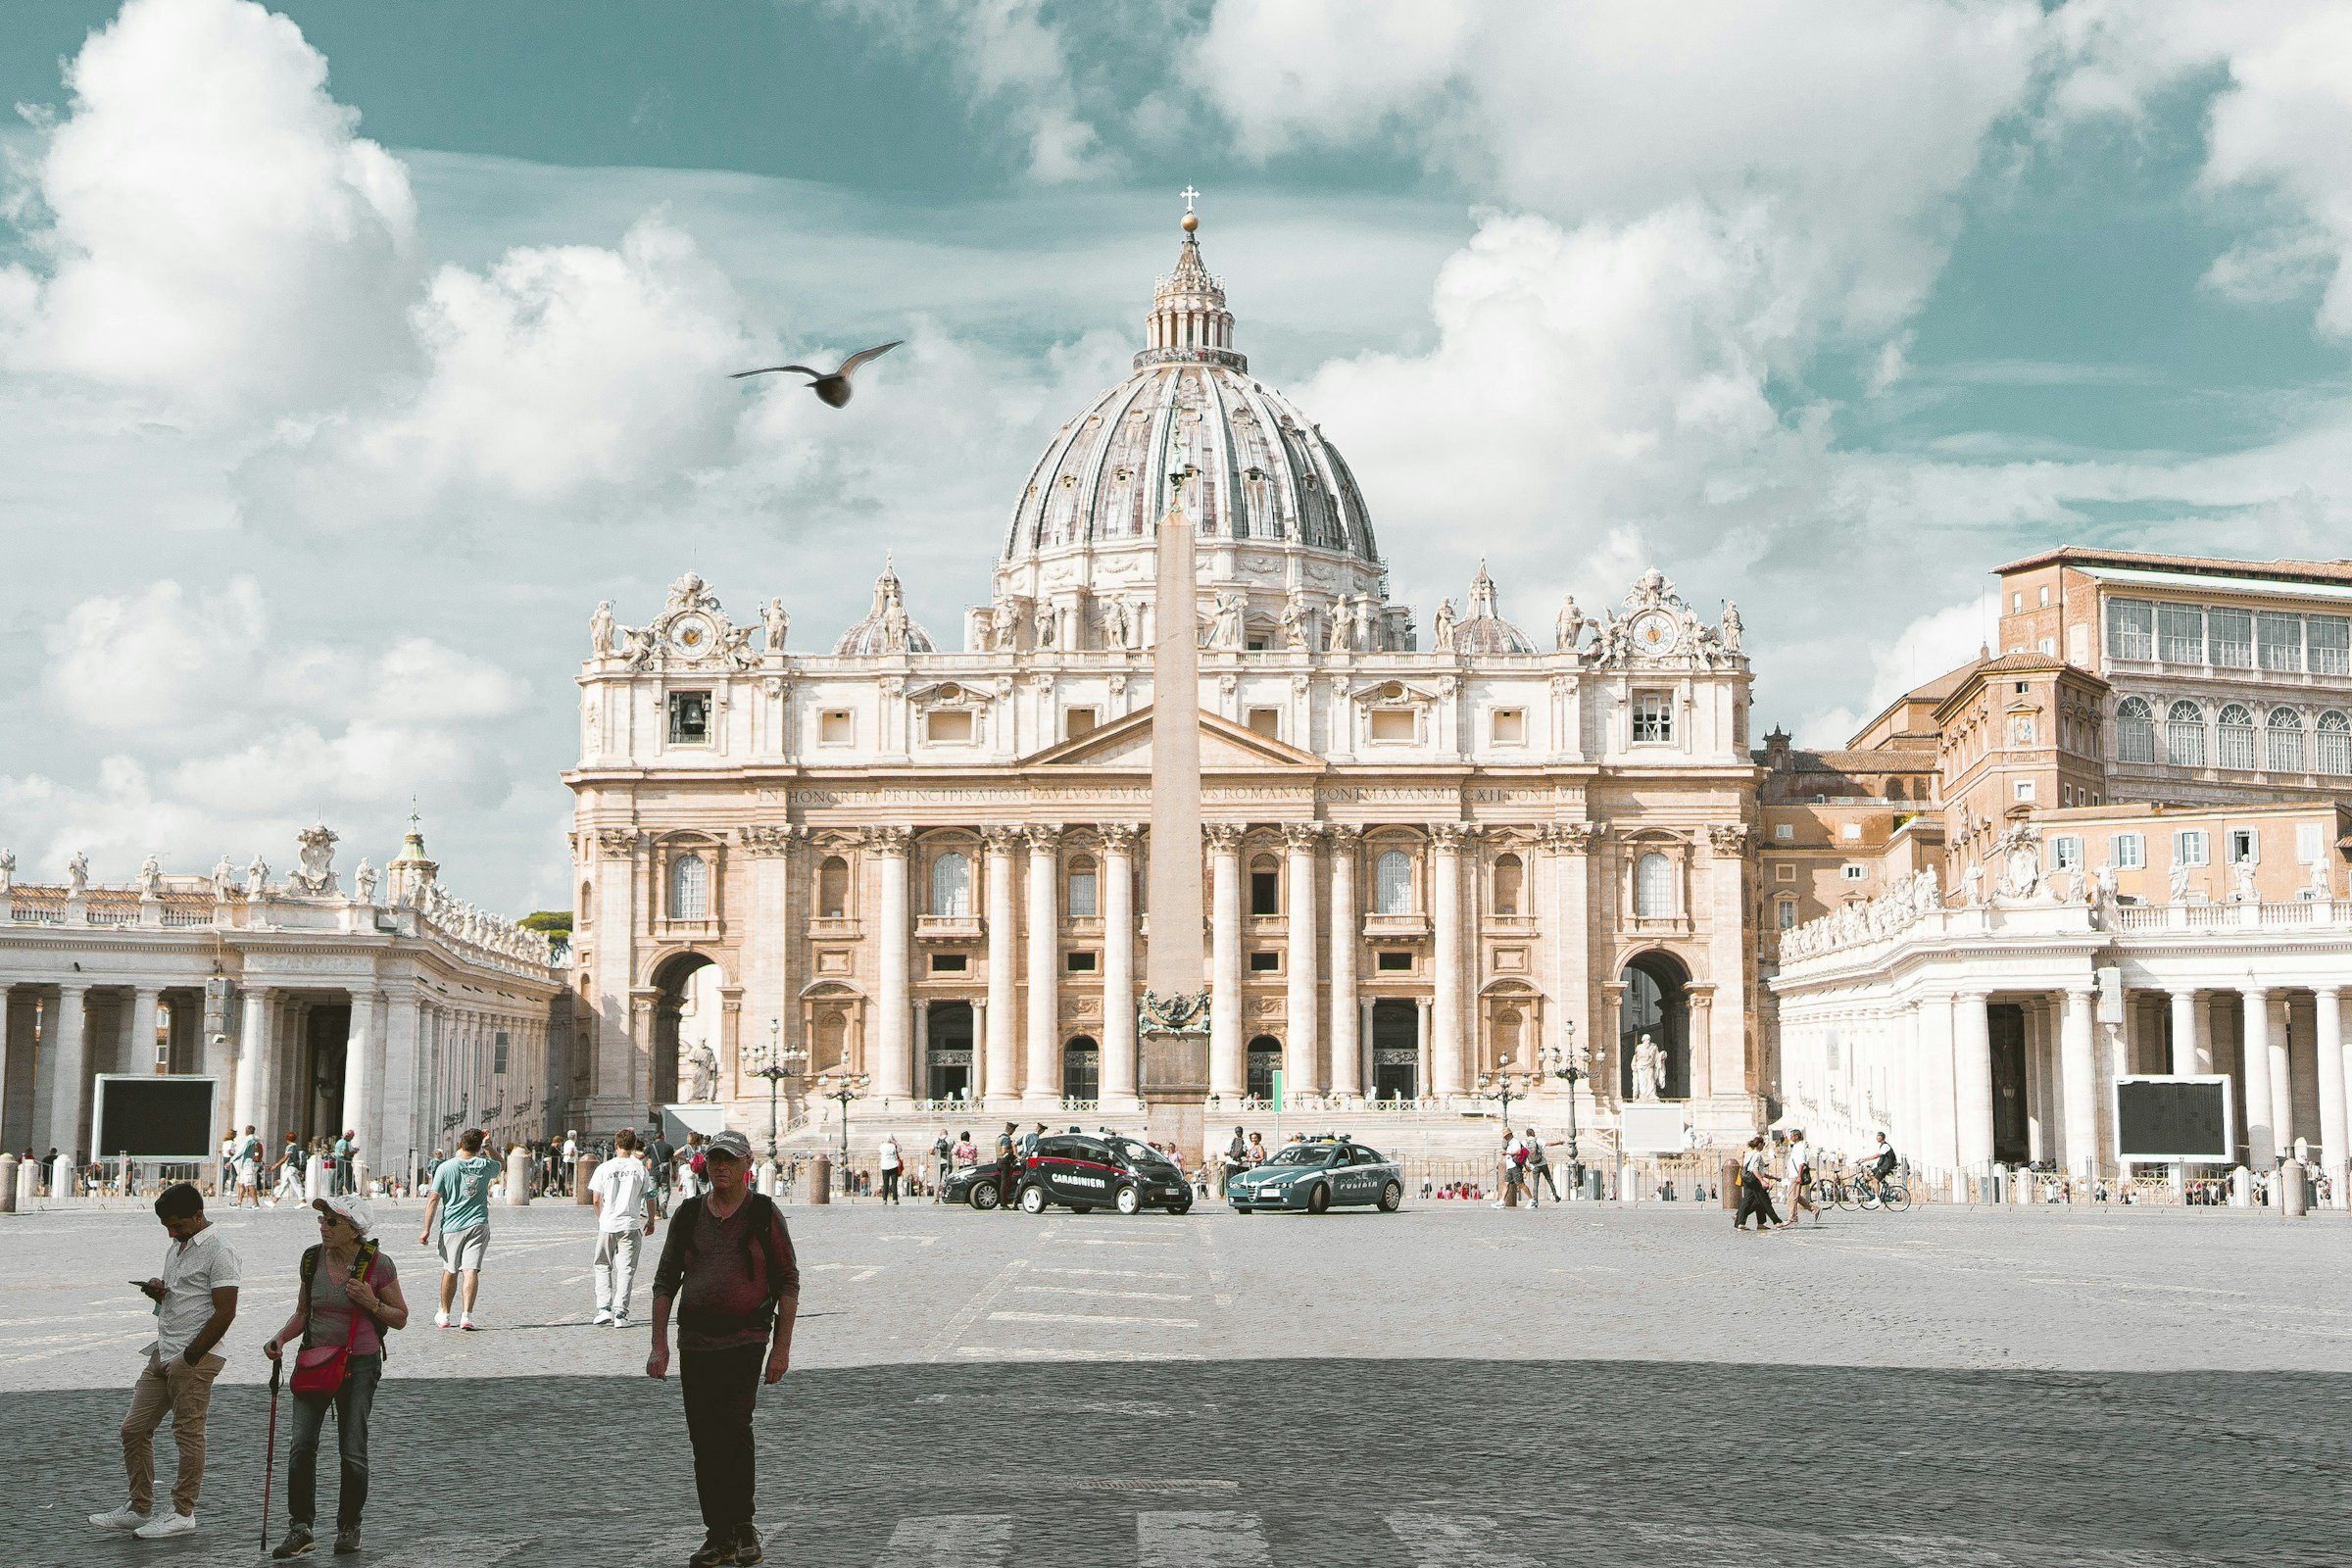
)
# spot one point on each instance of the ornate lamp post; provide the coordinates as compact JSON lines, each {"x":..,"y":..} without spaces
{"x":776,"y":1065}
{"x":1570,"y":1063}
{"x":1506,"y":1086}
{"x":852,"y":1085}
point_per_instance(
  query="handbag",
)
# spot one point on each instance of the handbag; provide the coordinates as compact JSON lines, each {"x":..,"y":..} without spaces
{"x":319,"y":1370}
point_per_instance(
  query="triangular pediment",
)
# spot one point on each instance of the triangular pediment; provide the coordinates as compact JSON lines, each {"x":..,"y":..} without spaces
{"x":1125,"y":745}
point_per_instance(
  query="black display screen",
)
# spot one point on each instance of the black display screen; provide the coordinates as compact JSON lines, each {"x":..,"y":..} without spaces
{"x":156,"y":1118}
{"x":2156,"y":1119}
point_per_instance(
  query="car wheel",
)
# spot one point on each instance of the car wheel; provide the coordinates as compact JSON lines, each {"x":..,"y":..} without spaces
{"x":1318,"y":1201}
{"x":1391,"y":1198}
{"x":1128,"y":1201}
{"x":1033,"y":1200}
{"x":983,"y":1195}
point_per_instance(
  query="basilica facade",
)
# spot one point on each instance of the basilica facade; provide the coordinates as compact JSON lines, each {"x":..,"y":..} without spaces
{"x":1437,"y":854}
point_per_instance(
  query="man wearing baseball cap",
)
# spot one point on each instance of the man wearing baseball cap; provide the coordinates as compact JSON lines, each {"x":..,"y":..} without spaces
{"x":729,"y":1266}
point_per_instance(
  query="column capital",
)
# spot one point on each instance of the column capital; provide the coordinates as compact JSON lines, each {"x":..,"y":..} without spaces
{"x":1447,"y":837}
{"x":2254,"y":993}
{"x":1119,"y":838}
{"x":1000,"y":838}
{"x":767,"y":840}
{"x":888,"y":842}
{"x":1569,"y":838}
{"x":1223,"y":837}
{"x":1043,"y":837}
{"x":1300,"y":836}
{"x":1343,"y":835}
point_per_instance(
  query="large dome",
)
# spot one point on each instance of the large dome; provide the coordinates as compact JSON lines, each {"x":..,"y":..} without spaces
{"x":1192,"y":426}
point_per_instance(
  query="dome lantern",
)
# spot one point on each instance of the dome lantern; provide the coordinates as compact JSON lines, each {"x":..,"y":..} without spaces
{"x":1189,"y":322}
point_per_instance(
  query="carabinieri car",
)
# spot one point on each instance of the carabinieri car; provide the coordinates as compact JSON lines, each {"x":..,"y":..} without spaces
{"x":1082,"y":1173}
{"x":1316,"y":1174}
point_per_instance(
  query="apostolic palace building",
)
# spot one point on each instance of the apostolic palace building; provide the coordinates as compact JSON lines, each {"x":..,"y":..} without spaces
{"x":1442,"y":856}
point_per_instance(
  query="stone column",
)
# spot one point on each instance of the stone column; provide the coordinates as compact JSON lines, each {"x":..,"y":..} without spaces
{"x":255,"y":1053}
{"x":1346,"y":945}
{"x":1701,"y":993}
{"x":1045,"y":957}
{"x":1972,"y":1080}
{"x":1422,"y":1030}
{"x":919,"y":1016}
{"x":2079,"y":1068}
{"x":893,"y":1075}
{"x":1301,"y":1034}
{"x":1002,"y":1073}
{"x":141,"y":1057}
{"x":1119,"y":967}
{"x":1446,"y":920}
{"x":2329,"y":1032}
{"x":360,"y":1088}
{"x":1226,"y":1077}
{"x":2255,"y":1063}
{"x":67,"y":1066}
{"x":2282,"y":1080}
{"x":1937,"y":1145}
{"x":2184,"y":1031}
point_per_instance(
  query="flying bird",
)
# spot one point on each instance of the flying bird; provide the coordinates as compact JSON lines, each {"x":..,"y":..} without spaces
{"x":832,"y":390}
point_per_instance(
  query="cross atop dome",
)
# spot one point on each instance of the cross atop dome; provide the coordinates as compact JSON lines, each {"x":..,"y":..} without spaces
{"x":1191,"y":220}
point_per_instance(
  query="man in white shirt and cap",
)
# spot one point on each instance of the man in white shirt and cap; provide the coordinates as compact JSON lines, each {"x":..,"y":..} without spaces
{"x":195,"y":1301}
{"x":624,"y":1217}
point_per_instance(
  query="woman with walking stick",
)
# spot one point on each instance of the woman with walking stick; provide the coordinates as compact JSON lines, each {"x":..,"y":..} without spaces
{"x":350,"y":1296}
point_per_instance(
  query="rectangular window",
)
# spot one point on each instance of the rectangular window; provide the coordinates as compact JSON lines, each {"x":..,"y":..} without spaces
{"x":2245,"y":845}
{"x":2065,"y":854}
{"x":2189,"y":846}
{"x":1850,"y":830}
{"x":2229,"y":638}
{"x":949,"y":962}
{"x":2017,"y":602}
{"x":2045,"y":599}
{"x":1082,"y":895}
{"x":1854,"y":873}
{"x":1392,"y":962}
{"x":1077,"y":721}
{"x":1788,"y":914}
{"x":2181,"y":634}
{"x":1081,"y":963}
{"x":1653,"y":716}
{"x":1393,"y":725}
{"x":2281,"y":640}
{"x":1265,"y":893}
{"x":1266,"y":721}
{"x":2330,"y":641}
{"x":498,"y":1053}
{"x":835,"y":727}
{"x":1509,"y":726}
{"x":689,"y":718}
{"x":1265,"y":960}
{"x":2130,"y":629}
{"x":1784,"y":831}
{"x":2129,"y":851}
{"x":2308,"y":842}
{"x":947,"y":728}
{"x":2023,"y":789}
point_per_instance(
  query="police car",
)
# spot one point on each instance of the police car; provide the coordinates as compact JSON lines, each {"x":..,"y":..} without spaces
{"x":1108,"y":1171}
{"x":1316,"y":1174}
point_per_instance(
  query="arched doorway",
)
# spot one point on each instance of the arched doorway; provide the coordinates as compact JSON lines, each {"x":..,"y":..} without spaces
{"x":1396,"y":1049}
{"x":1081,"y":1069}
{"x":673,"y":980}
{"x":948,"y":1065}
{"x":1657,"y":1003}
{"x":1264,"y":1079}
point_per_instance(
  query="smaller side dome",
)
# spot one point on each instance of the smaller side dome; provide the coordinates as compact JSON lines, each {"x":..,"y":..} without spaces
{"x":1483,"y":630}
{"x":887,"y":628}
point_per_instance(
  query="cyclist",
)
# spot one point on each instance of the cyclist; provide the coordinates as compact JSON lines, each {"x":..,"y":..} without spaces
{"x":1876,"y":1164}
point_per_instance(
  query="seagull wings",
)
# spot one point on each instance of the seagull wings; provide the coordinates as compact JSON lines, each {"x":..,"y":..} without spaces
{"x":863,"y":355}
{"x":766,"y":369}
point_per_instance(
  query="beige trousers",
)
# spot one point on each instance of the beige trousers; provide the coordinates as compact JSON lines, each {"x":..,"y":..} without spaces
{"x":186,"y":1391}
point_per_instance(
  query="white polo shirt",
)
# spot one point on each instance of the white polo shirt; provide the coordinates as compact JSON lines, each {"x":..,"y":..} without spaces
{"x":622,"y":1182}
{"x":192,"y":1271}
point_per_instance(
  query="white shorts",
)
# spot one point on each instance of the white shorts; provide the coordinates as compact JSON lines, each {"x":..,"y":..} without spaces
{"x":462,"y":1251}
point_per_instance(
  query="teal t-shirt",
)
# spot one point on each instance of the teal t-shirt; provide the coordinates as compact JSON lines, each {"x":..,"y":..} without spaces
{"x":464,"y":1187}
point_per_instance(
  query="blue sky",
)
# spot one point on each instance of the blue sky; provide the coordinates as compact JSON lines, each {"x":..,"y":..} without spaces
{"x":350,"y":355}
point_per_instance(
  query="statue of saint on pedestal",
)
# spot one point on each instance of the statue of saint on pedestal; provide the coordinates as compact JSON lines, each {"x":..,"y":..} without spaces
{"x":1649,"y":1069}
{"x":704,"y":1062}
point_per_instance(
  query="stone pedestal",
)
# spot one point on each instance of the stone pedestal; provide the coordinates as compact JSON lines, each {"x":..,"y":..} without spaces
{"x":60,"y":1178}
{"x":314,"y":1179}
{"x":1173,"y":1071}
{"x":518,"y":1178}
{"x":2294,"y":1190}
{"x":2241,"y":1188}
{"x":583,"y":1171}
{"x":8,"y":1183}
{"x":820,"y":1179}
{"x":27,"y":1185}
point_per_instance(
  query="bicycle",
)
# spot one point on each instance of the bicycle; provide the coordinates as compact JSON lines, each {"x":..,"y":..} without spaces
{"x":1877,"y":1192}
{"x":1829,"y":1190}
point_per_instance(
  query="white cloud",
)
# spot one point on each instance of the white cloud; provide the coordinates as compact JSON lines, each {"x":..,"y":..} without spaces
{"x":153,"y":659}
{"x":209,"y":231}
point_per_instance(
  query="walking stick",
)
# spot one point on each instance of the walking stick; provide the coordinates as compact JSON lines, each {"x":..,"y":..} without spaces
{"x":270,"y":1462}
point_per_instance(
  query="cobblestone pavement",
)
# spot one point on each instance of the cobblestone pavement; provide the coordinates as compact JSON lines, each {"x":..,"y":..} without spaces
{"x":1455,"y":1385}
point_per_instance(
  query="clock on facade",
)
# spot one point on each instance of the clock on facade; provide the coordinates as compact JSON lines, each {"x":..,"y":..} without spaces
{"x":1654,"y":632}
{"x":691,"y":634}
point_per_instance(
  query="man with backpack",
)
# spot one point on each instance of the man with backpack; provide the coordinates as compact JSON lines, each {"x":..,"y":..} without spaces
{"x":1539,"y":1166}
{"x":664,"y":1169}
{"x":943,"y":1155}
{"x":729,"y":1267}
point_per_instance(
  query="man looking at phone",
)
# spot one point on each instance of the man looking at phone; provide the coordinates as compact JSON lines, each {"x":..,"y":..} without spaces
{"x":195,"y":1301}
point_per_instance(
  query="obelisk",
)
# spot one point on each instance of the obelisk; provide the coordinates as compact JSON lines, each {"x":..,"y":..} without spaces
{"x":1173,"y":1027}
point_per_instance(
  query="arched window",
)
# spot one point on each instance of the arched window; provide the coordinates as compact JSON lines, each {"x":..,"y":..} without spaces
{"x":2282,"y":742}
{"x":1654,"y":885}
{"x":952,"y":885}
{"x":1081,"y":1068}
{"x":690,"y":888}
{"x":2134,"y":732}
{"x":1082,"y":902}
{"x":587,"y":909}
{"x":2335,"y":743}
{"x":2185,"y":735}
{"x":1393,"y":883}
{"x":2235,"y":737}
{"x":1262,"y":1067}
{"x":1265,"y":886}
{"x":833,"y":888}
{"x":1506,"y":1038}
{"x":1510,"y":876}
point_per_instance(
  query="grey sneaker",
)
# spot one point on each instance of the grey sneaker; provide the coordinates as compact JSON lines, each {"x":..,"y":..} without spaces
{"x":298,"y":1542}
{"x":747,"y":1544}
{"x":347,"y":1540}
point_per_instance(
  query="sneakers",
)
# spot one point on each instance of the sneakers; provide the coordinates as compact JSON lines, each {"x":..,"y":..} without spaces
{"x":717,"y":1550}
{"x":298,"y":1542}
{"x":123,"y":1518}
{"x":347,"y":1540}
{"x":467,"y":1323}
{"x":167,"y":1527}
{"x":747,"y":1544}
{"x":603,"y":1319}
{"x":620,"y":1320}
{"x":440,"y":1317}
